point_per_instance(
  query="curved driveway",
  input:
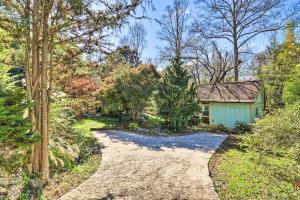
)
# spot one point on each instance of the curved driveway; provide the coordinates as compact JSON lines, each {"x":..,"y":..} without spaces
{"x":149,"y":167}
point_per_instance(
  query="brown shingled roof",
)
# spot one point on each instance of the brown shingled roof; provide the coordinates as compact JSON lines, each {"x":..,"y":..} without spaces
{"x":246,"y":91}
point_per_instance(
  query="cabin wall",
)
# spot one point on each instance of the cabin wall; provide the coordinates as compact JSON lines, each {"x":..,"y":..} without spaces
{"x":258,"y":108}
{"x":228,"y":113}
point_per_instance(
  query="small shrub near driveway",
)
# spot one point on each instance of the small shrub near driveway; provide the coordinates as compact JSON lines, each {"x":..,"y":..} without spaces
{"x":133,"y":126}
{"x":241,"y":127}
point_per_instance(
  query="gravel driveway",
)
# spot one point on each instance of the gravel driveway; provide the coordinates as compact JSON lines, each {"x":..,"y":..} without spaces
{"x":147,"y":167}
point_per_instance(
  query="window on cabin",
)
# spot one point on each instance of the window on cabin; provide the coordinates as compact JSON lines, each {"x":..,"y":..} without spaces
{"x":205,"y":113}
{"x":205,"y":110}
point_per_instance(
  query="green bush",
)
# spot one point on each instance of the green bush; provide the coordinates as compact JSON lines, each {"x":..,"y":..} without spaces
{"x":133,"y":126}
{"x":279,"y":131}
{"x":127,"y":91}
{"x":62,"y":118}
{"x":241,"y":127}
{"x":142,"y":119}
{"x":221,"y":127}
{"x":195,"y":120}
{"x":66,"y":162}
{"x":150,"y":121}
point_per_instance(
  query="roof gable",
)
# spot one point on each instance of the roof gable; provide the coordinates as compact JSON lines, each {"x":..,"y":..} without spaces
{"x":246,"y":91}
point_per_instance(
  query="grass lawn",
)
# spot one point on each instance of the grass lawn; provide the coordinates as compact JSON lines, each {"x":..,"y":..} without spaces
{"x":155,"y":120}
{"x":240,"y":173}
{"x":96,"y":122}
{"x":85,"y":124}
{"x":152,"y":121}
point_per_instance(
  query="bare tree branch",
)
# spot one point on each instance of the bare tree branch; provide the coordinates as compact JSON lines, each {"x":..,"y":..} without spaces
{"x":135,"y":39}
{"x":239,"y":21}
{"x":174,"y":29}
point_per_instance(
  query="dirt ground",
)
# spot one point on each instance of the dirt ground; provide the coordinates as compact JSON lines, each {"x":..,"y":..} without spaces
{"x":147,"y":167}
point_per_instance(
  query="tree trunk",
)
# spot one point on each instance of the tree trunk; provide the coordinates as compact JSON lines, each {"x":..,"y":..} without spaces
{"x":39,"y":163}
{"x":44,"y":168}
{"x":34,"y":161}
{"x":177,"y":36}
{"x":236,"y":61}
{"x":28,"y":79}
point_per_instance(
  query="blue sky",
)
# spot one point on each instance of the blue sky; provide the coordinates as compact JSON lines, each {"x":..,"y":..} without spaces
{"x":153,"y":27}
{"x":258,"y":44}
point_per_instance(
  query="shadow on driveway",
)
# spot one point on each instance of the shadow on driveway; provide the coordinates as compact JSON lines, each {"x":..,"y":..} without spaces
{"x":202,"y":141}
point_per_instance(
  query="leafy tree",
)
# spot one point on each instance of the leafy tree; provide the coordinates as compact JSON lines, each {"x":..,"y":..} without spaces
{"x":289,"y":54}
{"x":291,"y":91}
{"x":176,"y":98}
{"x":14,"y":127}
{"x":121,"y":56}
{"x":126,"y":91}
{"x":282,"y":61}
{"x":83,"y":95}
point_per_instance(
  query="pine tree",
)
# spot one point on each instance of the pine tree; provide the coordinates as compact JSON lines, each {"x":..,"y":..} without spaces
{"x":177,"y":98}
{"x":15,"y":129}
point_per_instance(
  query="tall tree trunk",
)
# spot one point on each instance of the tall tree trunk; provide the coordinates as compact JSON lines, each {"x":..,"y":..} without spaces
{"x":177,"y":36}
{"x":28,"y":79}
{"x":34,"y":161}
{"x":39,"y":158}
{"x":44,"y":168}
{"x":236,"y":61}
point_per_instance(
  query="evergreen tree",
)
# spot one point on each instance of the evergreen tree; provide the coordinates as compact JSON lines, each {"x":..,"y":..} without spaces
{"x":14,"y":127}
{"x":177,"y":98}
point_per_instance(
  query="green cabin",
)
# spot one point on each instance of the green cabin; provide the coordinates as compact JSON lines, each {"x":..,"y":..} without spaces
{"x":228,"y":103}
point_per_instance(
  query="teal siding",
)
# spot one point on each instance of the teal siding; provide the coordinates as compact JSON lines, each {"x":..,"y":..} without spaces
{"x":228,"y":114}
{"x":259,"y":105}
